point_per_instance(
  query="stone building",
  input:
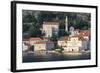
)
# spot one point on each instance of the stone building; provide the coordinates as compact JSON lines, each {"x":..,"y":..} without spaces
{"x":50,"y":28}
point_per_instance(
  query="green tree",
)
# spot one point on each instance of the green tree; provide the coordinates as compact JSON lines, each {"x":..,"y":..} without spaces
{"x":34,"y":32}
{"x":59,"y":48}
{"x":77,"y":20}
{"x":26,"y":27}
{"x":54,"y":37}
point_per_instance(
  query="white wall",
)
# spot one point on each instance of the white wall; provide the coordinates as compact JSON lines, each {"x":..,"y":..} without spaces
{"x":5,"y":36}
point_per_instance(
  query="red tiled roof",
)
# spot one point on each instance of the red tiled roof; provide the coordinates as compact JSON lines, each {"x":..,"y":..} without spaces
{"x":40,"y":42}
{"x":44,"y":42}
{"x":85,"y":33}
{"x":35,"y":38}
{"x":80,"y":37}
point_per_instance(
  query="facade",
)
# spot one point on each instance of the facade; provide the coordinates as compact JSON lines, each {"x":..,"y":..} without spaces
{"x":85,"y":37}
{"x":84,"y":44}
{"x":40,"y":46}
{"x":43,"y":46}
{"x":74,"y":44}
{"x":49,"y":45}
{"x":50,"y":28}
{"x":63,"y":41}
{"x":70,"y":44}
{"x":25,"y":47}
{"x":76,"y":41}
{"x":25,"y":44}
{"x":38,"y":43}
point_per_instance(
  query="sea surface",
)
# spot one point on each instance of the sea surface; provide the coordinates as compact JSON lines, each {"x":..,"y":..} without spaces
{"x":31,"y":57}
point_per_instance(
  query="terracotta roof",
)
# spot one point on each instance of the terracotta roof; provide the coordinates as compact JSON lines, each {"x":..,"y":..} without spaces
{"x":69,"y":37}
{"x":44,"y":42}
{"x":81,"y":38}
{"x":50,"y":23}
{"x":35,"y":38}
{"x":85,"y":33}
{"x":40,"y":42}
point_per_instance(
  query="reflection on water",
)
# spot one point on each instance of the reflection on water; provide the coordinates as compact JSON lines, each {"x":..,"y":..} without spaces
{"x":31,"y":57}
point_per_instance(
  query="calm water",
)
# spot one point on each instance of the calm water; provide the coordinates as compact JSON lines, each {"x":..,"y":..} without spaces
{"x":30,"y":57}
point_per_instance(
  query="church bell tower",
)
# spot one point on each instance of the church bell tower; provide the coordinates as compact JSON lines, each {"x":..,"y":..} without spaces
{"x":66,"y":24}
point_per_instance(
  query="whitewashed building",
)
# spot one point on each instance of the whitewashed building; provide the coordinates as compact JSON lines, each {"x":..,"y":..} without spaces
{"x":74,"y":44}
{"x":25,"y":47}
{"x":63,"y":41}
{"x":78,"y":41}
{"x":70,"y":44}
{"x":25,"y":44}
{"x":40,"y":46}
{"x":43,"y":46}
{"x":50,"y":27}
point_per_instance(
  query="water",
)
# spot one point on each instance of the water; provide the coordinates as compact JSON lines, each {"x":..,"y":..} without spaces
{"x":31,"y":57}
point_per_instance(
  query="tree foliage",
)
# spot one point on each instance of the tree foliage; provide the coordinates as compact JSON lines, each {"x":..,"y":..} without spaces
{"x":34,"y":32}
{"x":77,"y":20}
{"x":59,"y":48}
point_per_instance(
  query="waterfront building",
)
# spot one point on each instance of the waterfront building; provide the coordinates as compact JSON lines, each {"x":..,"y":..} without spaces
{"x":70,"y":44}
{"x":43,"y":45}
{"x":33,"y":40}
{"x":25,"y":44}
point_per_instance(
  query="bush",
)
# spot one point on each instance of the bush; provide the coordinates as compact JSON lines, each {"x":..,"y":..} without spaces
{"x":58,"y":48}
